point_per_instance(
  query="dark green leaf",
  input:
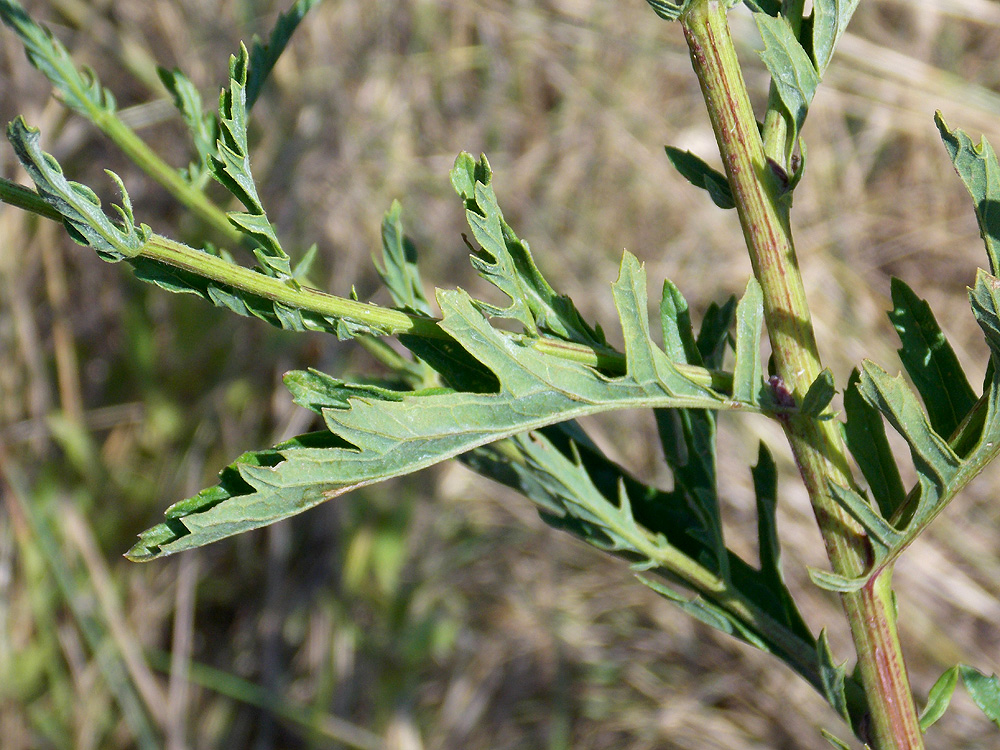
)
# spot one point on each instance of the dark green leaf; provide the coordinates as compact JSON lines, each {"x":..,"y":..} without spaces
{"x":264,"y":56}
{"x":669,"y":10}
{"x":819,"y":395}
{"x":930,"y":361}
{"x":984,"y":691}
{"x":79,"y":88}
{"x":506,"y":262}
{"x":939,"y":698}
{"x":829,"y":21}
{"x":399,"y":265}
{"x":978,"y":168}
{"x":791,"y":70}
{"x":864,"y":433}
{"x":694,"y":169}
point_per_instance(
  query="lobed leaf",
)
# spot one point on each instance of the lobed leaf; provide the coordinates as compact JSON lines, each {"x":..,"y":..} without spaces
{"x":383,"y":434}
{"x":78,"y":88}
{"x":202,"y":125}
{"x":79,"y":206}
{"x":230,"y":165}
{"x":399,"y":265}
{"x":506,"y":262}
{"x":978,"y":168}
{"x":942,"y":472}
{"x":264,"y":55}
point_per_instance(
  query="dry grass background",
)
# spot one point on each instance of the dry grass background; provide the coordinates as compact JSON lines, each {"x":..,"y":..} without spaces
{"x":440,"y":612}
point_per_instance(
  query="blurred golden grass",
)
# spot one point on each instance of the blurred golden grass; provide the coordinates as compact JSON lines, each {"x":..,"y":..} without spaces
{"x":440,"y":612}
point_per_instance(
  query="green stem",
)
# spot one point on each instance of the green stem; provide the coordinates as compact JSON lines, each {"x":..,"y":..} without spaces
{"x":817,"y":444}
{"x":394,"y":322}
{"x":139,"y":152}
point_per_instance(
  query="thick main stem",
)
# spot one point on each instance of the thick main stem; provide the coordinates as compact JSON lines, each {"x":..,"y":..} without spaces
{"x":817,"y":444}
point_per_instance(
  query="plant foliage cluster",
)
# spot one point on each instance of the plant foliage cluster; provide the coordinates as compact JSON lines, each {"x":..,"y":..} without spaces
{"x":500,"y":386}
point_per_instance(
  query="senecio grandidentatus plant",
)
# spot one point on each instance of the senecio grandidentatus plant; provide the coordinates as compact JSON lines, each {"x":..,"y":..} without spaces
{"x":504,"y":402}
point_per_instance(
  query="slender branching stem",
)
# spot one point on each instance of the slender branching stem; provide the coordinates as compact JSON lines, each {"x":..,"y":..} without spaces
{"x":393,"y":322}
{"x":818,"y":446}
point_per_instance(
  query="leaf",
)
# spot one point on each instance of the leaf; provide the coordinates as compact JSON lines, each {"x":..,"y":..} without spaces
{"x":864,"y":433}
{"x":984,"y":691}
{"x":829,"y":21}
{"x":939,"y":698}
{"x":792,"y":72}
{"x":930,"y":361}
{"x":978,"y":168}
{"x":230,"y":165}
{"x":669,"y":10}
{"x":399,"y":259}
{"x":79,"y":205}
{"x":263,"y":56}
{"x":820,"y":394}
{"x":384,"y":434}
{"x":675,"y":320}
{"x":506,"y":262}
{"x":79,"y":89}
{"x":202,"y":125}
{"x":694,"y":169}
{"x":748,"y":375}
{"x":942,"y":472}
{"x":834,"y":678}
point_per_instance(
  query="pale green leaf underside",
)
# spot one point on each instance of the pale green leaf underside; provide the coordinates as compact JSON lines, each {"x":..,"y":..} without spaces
{"x":389,"y":434}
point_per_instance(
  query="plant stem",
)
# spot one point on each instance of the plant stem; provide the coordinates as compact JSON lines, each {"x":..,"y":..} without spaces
{"x":817,"y":444}
{"x":140,"y":153}
{"x":394,"y":322}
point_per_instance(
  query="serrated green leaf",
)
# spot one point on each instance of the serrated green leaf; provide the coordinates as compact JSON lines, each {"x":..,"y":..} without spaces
{"x":696,"y":171}
{"x":506,"y":262}
{"x":978,"y":168}
{"x":864,"y":433}
{"x":935,"y":461}
{"x":820,"y":394}
{"x":79,"y":88}
{"x":930,"y":361}
{"x":401,"y":434}
{"x":399,"y":265}
{"x":230,"y":165}
{"x":748,"y":375}
{"x":79,"y":206}
{"x":984,"y":691}
{"x":829,"y":21}
{"x":792,"y":71}
{"x":834,"y":677}
{"x":939,"y":698}
{"x":264,"y":56}
{"x":201,"y":124}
